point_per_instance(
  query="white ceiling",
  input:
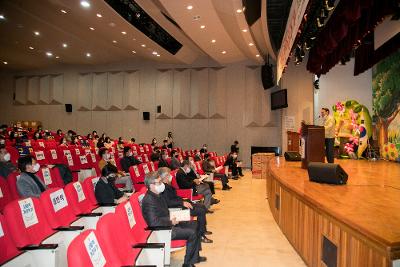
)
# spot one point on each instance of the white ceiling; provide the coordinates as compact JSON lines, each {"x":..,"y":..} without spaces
{"x":24,"y":17}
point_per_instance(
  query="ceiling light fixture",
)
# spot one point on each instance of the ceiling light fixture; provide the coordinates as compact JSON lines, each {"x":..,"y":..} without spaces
{"x":213,"y":41}
{"x":49,"y":54}
{"x":63,"y":11}
{"x":2,"y":17}
{"x":85,"y":4}
{"x":257,"y":55}
{"x":99,"y":15}
{"x":251,"y":44}
{"x":31,"y":48}
{"x":154,"y":53}
{"x":114,"y":41}
{"x":189,"y":7}
{"x":57,"y":57}
{"x":244,"y":30}
{"x":239,"y":10}
{"x":5,"y":62}
{"x":91,"y":28}
{"x":64,"y":45}
{"x":143,"y":45}
{"x":36,"y":33}
{"x":223,"y":52}
{"x":133,"y":51}
{"x":88,"y":55}
{"x":158,"y":55}
{"x":202,"y":26}
{"x":123,"y":33}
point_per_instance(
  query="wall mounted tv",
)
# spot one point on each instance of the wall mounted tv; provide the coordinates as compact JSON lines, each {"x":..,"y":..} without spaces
{"x":279,"y":99}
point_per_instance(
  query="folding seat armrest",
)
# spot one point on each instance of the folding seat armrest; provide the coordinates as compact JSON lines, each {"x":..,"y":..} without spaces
{"x":108,"y":205}
{"x":70,"y":228}
{"x":40,"y":246}
{"x":94,"y":214}
{"x":158,"y":228}
{"x":149,"y":245}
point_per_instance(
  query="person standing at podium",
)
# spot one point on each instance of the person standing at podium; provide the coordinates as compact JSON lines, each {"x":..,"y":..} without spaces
{"x":328,"y":121}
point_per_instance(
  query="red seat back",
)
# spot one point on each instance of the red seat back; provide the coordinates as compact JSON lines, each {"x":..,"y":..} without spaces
{"x":49,"y":177}
{"x":27,"y":222}
{"x":89,"y":184}
{"x":77,"y":198}
{"x":8,"y":248}
{"x":12,"y":184}
{"x":5,"y":193}
{"x":56,"y":207}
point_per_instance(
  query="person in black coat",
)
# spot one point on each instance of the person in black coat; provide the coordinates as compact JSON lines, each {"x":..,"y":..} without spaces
{"x":105,"y":190}
{"x":156,"y":213}
{"x":175,"y":201}
{"x":163,"y":160}
{"x":128,"y":160}
{"x":235,"y":147}
{"x":234,"y":165}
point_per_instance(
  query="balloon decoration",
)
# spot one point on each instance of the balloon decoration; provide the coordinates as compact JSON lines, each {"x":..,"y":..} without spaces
{"x":353,"y":127}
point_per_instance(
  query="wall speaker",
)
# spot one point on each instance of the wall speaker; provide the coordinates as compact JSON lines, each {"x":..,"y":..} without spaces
{"x":292,"y":156}
{"x":267,"y":76}
{"x":329,"y":173}
{"x":68,"y":108}
{"x":159,"y":109}
{"x":146,"y":116}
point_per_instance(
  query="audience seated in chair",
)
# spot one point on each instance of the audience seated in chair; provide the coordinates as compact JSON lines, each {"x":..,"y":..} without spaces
{"x":163,"y":160}
{"x":209,"y":168}
{"x":6,"y":167}
{"x":128,"y":160}
{"x":156,"y":213}
{"x":105,"y":191}
{"x":175,"y":163}
{"x":28,"y":184}
{"x":233,"y":164}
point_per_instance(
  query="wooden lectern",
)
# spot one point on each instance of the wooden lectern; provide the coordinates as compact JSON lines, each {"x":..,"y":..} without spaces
{"x":312,"y":144}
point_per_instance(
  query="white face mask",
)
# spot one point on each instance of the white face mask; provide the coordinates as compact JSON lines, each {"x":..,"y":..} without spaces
{"x":7,"y":157}
{"x":130,"y":154}
{"x":170,"y":179}
{"x":160,"y":188}
{"x":36,"y":167}
{"x":187,"y":170}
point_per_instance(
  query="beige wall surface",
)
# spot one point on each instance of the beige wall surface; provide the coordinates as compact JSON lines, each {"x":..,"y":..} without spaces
{"x":202,"y":103}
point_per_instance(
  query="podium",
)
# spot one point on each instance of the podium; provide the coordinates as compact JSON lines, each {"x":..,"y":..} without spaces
{"x":312,"y":147}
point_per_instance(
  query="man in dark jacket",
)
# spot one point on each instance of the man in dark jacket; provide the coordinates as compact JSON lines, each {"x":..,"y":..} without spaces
{"x":234,"y":165}
{"x":175,"y":201}
{"x":105,"y":191}
{"x":175,"y":164}
{"x":209,"y":168}
{"x":163,"y":159}
{"x":185,"y":181}
{"x":128,"y":160}
{"x":6,"y":167}
{"x":156,"y":213}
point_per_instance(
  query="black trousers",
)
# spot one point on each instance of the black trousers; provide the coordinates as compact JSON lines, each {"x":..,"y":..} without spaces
{"x":329,"y":149}
{"x":212,"y":187}
{"x":199,"y":210}
{"x":224,"y":179}
{"x":188,"y":231}
{"x":236,"y":170}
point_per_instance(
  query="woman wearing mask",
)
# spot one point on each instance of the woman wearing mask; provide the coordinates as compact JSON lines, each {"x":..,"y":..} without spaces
{"x":105,"y":191}
{"x":6,"y":167}
{"x":29,"y":184}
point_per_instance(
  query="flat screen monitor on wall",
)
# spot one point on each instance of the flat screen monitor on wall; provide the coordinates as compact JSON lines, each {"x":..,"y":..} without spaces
{"x":279,"y":99}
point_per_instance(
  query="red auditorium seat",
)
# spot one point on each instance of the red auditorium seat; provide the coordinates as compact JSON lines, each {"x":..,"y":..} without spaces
{"x":184,"y":193}
{"x":50,"y":176}
{"x":5,"y":193}
{"x":89,"y":185}
{"x":12,"y":184}
{"x":8,"y":248}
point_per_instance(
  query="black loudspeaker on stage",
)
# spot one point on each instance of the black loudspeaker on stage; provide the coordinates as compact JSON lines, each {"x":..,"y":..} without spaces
{"x":68,"y":108}
{"x":292,"y":156}
{"x":329,"y":173}
{"x":146,"y":116}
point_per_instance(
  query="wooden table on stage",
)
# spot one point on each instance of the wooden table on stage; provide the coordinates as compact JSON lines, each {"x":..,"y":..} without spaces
{"x":361,"y":219}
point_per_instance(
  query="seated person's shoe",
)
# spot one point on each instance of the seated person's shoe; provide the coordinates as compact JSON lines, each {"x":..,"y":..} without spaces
{"x":188,"y":265}
{"x":201,"y":259}
{"x":210,"y":211}
{"x":241,"y":175}
{"x":236,"y":177}
{"x":204,"y":239}
{"x":208,"y":233}
{"x":215,"y":201}
{"x":226,"y":187}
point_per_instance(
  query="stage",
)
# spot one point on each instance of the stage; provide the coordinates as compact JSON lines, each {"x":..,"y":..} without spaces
{"x":357,"y":224}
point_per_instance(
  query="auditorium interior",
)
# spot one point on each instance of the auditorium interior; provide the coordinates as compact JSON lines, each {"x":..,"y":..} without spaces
{"x":260,"y":133}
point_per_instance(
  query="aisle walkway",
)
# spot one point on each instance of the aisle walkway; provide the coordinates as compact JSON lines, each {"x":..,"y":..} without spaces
{"x":244,"y":231}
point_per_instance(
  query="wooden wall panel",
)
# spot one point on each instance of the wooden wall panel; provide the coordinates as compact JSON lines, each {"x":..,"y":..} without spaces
{"x":32,"y":93}
{"x":131,"y":90}
{"x":181,"y":94}
{"x":217,"y":93}
{"x":164,"y":91}
{"x":85,"y":82}
{"x":252,"y":114}
{"x":44,"y":90}
{"x":99,"y":92}
{"x":199,"y":93}
{"x":21,"y":85}
{"x":57,"y":89}
{"x":115,"y":89}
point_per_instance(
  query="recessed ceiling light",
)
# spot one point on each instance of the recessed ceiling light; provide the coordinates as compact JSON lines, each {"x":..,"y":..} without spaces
{"x":239,"y":10}
{"x":99,"y":15}
{"x":111,"y":24}
{"x":158,"y":55}
{"x":57,"y":57}
{"x":63,"y":11}
{"x":114,"y":41}
{"x":154,"y":53}
{"x":189,"y":7}
{"x":91,"y":28}
{"x":123,"y":33}
{"x":64,"y":45}
{"x":223,"y":52}
{"x":5,"y":62}
{"x":143,"y":45}
{"x":2,"y":17}
{"x":202,"y":26}
{"x":88,"y":55}
{"x":85,"y":4}
{"x":134,"y":39}
{"x":244,"y":30}
{"x":251,"y":44}
{"x":257,"y":55}
{"x":31,"y":48}
{"x":36,"y":33}
{"x":49,"y":54}
{"x":213,"y":41}
{"x":133,"y":51}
